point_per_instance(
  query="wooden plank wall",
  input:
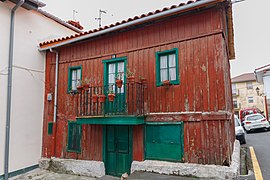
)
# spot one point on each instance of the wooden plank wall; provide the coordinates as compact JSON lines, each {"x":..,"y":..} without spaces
{"x":203,"y":70}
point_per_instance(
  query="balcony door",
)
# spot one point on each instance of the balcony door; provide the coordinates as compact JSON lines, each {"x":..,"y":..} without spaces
{"x":115,"y":69}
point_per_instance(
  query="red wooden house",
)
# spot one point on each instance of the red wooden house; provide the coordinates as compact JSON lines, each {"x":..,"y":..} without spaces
{"x":177,"y":107}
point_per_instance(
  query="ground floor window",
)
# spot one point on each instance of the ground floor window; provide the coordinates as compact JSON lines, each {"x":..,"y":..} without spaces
{"x":164,"y":141}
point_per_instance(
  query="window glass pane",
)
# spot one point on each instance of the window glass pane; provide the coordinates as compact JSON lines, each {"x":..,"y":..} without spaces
{"x":121,"y":67}
{"x":172,"y":60}
{"x":163,"y":61}
{"x":172,"y":74}
{"x":78,"y":73}
{"x":73,"y":85}
{"x":163,"y":75}
{"x":111,"y":78}
{"x":111,"y":68}
{"x":74,"y":76}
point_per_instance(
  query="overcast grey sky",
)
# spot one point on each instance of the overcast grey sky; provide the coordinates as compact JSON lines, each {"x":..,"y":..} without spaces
{"x":251,"y":23}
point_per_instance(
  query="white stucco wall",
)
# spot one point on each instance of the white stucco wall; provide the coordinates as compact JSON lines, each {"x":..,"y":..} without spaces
{"x":31,"y":28}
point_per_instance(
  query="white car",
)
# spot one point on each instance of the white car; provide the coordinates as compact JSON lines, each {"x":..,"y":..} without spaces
{"x":255,"y":121}
{"x":239,"y":131}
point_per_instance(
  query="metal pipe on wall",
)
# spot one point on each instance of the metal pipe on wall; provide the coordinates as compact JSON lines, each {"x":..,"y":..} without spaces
{"x":9,"y":86}
{"x":55,"y":100}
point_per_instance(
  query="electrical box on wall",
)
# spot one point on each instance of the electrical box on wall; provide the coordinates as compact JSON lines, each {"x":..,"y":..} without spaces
{"x":49,"y":97}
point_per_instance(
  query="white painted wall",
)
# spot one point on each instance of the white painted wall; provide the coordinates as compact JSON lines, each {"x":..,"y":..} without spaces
{"x":31,"y":28}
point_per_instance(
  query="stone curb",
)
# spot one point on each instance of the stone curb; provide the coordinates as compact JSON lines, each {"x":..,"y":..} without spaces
{"x":193,"y":170}
{"x":72,"y":166}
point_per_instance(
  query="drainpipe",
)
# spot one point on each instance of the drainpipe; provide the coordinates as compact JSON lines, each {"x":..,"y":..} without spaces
{"x":55,"y":101}
{"x":9,"y":86}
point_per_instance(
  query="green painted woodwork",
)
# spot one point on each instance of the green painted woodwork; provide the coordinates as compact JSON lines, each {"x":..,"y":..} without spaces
{"x":119,"y":103}
{"x":20,"y":171}
{"x":112,"y":120}
{"x":50,"y":128}
{"x":118,"y":149}
{"x":74,"y":137}
{"x":70,"y":69}
{"x":167,"y":53}
{"x":164,"y":141}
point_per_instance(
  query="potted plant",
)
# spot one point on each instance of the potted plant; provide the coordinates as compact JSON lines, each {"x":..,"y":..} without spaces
{"x":79,"y":86}
{"x":119,"y":81}
{"x":130,"y":76}
{"x":101,"y":98}
{"x":85,"y":83}
{"x":143,"y":80}
{"x":166,"y":83}
{"x":111,"y":96}
{"x":94,"y":98}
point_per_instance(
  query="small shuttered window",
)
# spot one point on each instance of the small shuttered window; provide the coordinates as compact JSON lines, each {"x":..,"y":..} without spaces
{"x":74,"y":137}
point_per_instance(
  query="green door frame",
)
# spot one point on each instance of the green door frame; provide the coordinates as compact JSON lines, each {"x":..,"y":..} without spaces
{"x":105,"y":76}
{"x":104,"y":146}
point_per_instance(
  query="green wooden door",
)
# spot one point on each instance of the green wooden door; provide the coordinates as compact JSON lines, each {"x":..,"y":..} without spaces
{"x":164,"y":142}
{"x":118,"y":150}
{"x":116,"y":70}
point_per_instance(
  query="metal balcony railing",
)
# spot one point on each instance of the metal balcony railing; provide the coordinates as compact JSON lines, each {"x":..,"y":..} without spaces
{"x":97,"y":101}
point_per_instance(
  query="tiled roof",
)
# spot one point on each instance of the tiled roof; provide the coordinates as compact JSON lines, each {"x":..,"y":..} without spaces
{"x":58,"y":20}
{"x":244,"y":78}
{"x":118,"y":23}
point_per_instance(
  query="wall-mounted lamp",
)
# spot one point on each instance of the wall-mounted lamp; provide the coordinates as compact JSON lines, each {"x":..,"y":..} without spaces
{"x":113,"y":56}
{"x":258,"y":91}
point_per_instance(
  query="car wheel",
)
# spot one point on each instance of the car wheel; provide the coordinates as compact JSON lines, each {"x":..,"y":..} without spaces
{"x":243,"y":141}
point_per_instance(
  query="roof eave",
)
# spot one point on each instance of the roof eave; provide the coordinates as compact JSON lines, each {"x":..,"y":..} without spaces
{"x":167,"y":13}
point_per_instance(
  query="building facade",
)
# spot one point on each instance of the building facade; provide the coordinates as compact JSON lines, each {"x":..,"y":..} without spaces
{"x":263,"y":76}
{"x":244,"y":92}
{"x":175,"y":103}
{"x":30,"y":27}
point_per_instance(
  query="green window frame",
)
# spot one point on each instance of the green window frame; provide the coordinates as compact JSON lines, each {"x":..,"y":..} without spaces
{"x":73,"y":80}
{"x":167,"y":67}
{"x":74,"y":137}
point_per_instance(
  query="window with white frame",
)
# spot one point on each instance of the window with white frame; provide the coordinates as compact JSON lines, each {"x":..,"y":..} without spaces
{"x":250,"y":99}
{"x":249,"y":85}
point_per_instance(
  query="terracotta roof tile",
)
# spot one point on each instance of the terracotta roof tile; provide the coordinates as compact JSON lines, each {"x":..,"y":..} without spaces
{"x":244,"y":78}
{"x":118,"y":23}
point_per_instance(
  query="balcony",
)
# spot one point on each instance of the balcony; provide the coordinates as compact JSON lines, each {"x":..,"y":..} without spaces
{"x":95,"y":101}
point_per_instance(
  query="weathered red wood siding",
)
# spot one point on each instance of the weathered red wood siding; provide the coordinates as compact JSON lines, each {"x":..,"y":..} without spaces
{"x":204,"y":84}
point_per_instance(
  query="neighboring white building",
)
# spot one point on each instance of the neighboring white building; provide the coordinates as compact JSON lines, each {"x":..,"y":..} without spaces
{"x":31,"y":27}
{"x":263,"y":76}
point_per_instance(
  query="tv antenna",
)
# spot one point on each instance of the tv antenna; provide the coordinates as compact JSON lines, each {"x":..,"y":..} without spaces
{"x":74,"y":13}
{"x":100,"y":16}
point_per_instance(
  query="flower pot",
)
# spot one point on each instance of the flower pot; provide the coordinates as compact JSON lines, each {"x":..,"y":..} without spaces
{"x":102,"y":98}
{"x":79,"y":88}
{"x":111,"y":97}
{"x":166,"y":83}
{"x":131,"y":79}
{"x":119,"y":83}
{"x":86,"y":86}
{"x":94,"y":98}
{"x":143,"y":81}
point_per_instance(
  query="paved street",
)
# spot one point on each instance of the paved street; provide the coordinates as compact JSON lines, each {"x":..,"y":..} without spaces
{"x":260,"y":140}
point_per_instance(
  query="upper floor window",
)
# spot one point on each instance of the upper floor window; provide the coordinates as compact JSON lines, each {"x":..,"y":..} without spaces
{"x":167,"y":67}
{"x":234,"y":90}
{"x":250,"y":99}
{"x":74,"y":77}
{"x":249,"y":85}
